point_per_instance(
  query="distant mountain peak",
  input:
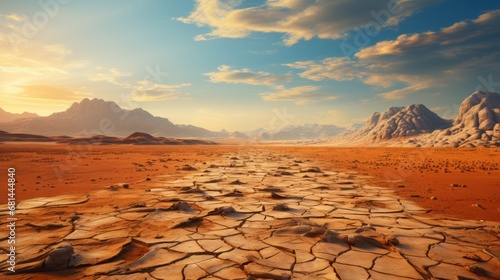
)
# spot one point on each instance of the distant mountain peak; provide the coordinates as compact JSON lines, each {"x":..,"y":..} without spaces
{"x":297,"y":132}
{"x":7,"y":117}
{"x":97,"y":116}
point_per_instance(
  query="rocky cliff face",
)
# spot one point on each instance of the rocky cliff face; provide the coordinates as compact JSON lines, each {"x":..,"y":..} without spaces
{"x":397,"y":122}
{"x":480,"y":110}
{"x":477,"y":124}
{"x":410,"y":121}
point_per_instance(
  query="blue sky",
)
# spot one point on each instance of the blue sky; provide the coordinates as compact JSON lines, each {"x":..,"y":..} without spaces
{"x":242,"y":65}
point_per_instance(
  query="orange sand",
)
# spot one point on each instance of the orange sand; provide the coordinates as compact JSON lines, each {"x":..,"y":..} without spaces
{"x":415,"y":173}
{"x":418,"y":174}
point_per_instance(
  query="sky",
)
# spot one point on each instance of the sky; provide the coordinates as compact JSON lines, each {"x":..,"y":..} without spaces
{"x":248,"y":64}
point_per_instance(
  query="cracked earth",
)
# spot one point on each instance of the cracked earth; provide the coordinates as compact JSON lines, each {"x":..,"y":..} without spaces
{"x":253,"y":215}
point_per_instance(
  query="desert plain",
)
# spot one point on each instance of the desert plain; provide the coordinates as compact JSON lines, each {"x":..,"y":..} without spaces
{"x":252,"y":211}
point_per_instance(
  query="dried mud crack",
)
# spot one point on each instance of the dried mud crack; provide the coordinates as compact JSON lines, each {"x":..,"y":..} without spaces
{"x":251,"y":215}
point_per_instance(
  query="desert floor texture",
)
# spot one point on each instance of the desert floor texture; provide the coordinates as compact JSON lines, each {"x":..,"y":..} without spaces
{"x":253,"y":212}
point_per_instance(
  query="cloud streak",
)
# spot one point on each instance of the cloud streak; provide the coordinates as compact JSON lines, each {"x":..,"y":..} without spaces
{"x":226,"y":74}
{"x":148,"y":91}
{"x":109,"y":75}
{"x":297,"y":19}
{"x":299,"y":95}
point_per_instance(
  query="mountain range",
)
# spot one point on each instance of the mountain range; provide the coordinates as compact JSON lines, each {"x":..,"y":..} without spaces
{"x":7,"y":117}
{"x":477,"y":124}
{"x":99,"y":117}
{"x":296,"y":132}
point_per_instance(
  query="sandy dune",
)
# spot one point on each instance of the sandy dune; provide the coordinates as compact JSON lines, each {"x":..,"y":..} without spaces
{"x":235,"y":212}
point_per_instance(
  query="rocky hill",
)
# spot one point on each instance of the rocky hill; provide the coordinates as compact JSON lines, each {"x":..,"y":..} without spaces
{"x":477,"y":124}
{"x":396,"y":122}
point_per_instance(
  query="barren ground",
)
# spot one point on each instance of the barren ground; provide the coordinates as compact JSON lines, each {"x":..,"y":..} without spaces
{"x":264,"y":212}
{"x":417,"y":174}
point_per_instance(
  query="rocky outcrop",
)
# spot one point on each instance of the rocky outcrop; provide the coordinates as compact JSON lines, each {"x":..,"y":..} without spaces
{"x":476,"y":125}
{"x":397,"y":122}
{"x":480,"y":110}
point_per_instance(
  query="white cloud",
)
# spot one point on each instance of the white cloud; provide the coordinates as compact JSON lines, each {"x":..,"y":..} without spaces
{"x":299,"y":95}
{"x":142,"y":90}
{"x":297,"y":19}
{"x":418,"y":61}
{"x":337,"y":68}
{"x":245,"y":76}
{"x":109,"y":75}
{"x":146,"y":91}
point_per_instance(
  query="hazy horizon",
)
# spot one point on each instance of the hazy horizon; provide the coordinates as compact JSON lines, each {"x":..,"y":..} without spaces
{"x":243,"y":65}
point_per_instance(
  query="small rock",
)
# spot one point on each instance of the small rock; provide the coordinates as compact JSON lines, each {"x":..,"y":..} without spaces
{"x":235,"y":192}
{"x":236,"y":182}
{"x":187,"y":167}
{"x":58,"y":258}
{"x":478,"y":206}
{"x":138,"y":205}
{"x":180,"y":206}
{"x":281,"y":207}
{"x":474,"y":257}
{"x":477,"y":270}
{"x":313,"y":169}
{"x":222,"y":211}
{"x":391,"y":239}
{"x":433,"y":198}
{"x":74,"y":218}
